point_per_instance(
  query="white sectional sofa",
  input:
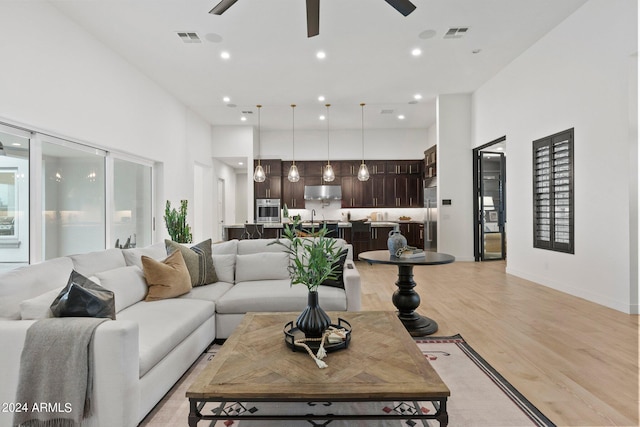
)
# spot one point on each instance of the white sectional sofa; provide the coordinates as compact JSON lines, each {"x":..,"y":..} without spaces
{"x":141,"y":354}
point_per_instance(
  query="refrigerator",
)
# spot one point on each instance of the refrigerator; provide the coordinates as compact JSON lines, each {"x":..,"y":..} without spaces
{"x":431,"y":219}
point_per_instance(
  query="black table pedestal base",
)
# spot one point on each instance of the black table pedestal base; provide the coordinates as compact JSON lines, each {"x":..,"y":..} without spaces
{"x":407,"y":300}
{"x":418,"y":326}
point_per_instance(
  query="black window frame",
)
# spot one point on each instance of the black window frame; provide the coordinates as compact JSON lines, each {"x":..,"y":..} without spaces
{"x":553,"y":192}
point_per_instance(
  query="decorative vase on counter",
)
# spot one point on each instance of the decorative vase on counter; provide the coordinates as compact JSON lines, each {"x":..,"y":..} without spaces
{"x":313,"y":321}
{"x":396,"y":241}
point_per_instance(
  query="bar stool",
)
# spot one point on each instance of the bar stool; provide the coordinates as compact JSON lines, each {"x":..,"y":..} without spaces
{"x":253,"y":231}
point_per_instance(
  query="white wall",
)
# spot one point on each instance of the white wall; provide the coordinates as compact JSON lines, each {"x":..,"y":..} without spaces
{"x":345,"y":144}
{"x":65,"y":82}
{"x":574,"y":77}
{"x":455,"y":176}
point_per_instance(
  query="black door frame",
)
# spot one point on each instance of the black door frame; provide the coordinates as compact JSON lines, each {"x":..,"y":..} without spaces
{"x":477,"y":191}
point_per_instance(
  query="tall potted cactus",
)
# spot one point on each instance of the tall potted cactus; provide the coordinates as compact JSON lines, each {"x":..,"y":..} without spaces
{"x":176,"y":222}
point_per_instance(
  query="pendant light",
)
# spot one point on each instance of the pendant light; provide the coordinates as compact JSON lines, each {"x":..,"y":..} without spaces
{"x":363,"y":172}
{"x":328,"y":174}
{"x":294,"y":175}
{"x":258,"y":174}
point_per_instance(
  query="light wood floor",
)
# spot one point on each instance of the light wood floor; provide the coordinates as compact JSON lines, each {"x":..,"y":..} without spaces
{"x":575,"y":360}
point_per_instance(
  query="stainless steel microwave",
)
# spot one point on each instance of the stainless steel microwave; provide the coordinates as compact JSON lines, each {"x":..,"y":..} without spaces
{"x":267,"y":210}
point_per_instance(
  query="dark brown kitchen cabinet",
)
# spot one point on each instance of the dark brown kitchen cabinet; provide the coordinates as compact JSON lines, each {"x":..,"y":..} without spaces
{"x":376,"y":167}
{"x":271,"y":188}
{"x":293,"y":193}
{"x":348,"y":167}
{"x":356,"y":193}
{"x":374,"y":192}
{"x":379,"y":237}
{"x":414,"y":233}
{"x":404,"y":167}
{"x":403,"y":191}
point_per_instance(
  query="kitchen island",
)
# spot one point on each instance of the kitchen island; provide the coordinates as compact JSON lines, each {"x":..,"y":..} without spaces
{"x":379,"y":232}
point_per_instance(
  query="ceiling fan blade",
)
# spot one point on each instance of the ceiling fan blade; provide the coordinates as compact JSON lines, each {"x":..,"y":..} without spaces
{"x":313,"y":18}
{"x":222,"y":7}
{"x":405,"y":7}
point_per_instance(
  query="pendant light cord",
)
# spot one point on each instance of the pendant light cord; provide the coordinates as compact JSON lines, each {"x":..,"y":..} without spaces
{"x":328,"y":105}
{"x":293,"y":132}
{"x":362,"y":108}
{"x":259,"y":127}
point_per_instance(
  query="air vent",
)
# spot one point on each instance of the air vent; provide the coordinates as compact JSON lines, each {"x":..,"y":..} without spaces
{"x":386,"y":111}
{"x":247,"y":112}
{"x":456,"y":33}
{"x":189,"y":37}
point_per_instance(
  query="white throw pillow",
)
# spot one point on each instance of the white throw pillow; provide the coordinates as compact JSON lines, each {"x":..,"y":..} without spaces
{"x":38,"y":307}
{"x":225,"y":267}
{"x":127,"y":284}
{"x":225,"y":248}
{"x":133,"y":256}
{"x":262,"y":266}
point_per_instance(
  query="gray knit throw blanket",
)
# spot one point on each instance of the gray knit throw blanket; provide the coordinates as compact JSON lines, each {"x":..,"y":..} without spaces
{"x":56,"y":373}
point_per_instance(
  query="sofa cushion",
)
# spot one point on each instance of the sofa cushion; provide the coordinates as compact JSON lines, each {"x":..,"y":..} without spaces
{"x":275,"y":296}
{"x":127,"y":283}
{"x":133,"y":256}
{"x":93,"y":262}
{"x":225,"y":266}
{"x":198,"y":260}
{"x":225,"y":248}
{"x":162,"y":325}
{"x":262,"y":266}
{"x":29,"y":282}
{"x":38,"y":307}
{"x":166,"y":279}
{"x":211,"y":292}
{"x":254,"y":246}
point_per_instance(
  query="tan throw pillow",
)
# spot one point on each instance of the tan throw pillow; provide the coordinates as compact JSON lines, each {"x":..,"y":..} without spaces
{"x":166,"y":279}
{"x":198,"y":260}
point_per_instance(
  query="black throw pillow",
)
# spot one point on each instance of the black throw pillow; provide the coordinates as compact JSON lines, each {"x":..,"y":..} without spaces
{"x":339,"y":272}
{"x":84,"y":298}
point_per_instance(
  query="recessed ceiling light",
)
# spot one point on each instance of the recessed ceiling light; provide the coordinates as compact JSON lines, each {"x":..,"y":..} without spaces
{"x":226,"y":99}
{"x":321,"y":55}
{"x":225,"y":55}
{"x":417,"y":97}
{"x":416,"y":52}
{"x":321,"y":98}
{"x":401,"y":117}
{"x":243,"y":118}
{"x":322,"y":117}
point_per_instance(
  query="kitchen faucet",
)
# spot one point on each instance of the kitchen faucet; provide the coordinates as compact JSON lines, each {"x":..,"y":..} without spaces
{"x":313,"y":212}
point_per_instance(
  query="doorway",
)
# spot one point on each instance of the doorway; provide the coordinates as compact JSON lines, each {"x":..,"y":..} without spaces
{"x":489,"y":175}
{"x":220,"y":207}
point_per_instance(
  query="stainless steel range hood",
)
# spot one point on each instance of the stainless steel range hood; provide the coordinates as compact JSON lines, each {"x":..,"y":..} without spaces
{"x":322,"y":192}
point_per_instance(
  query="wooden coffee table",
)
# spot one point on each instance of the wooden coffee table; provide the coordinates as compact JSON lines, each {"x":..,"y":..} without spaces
{"x":381,"y":364}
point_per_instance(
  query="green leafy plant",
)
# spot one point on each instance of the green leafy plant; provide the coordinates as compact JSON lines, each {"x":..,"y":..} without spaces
{"x":176,"y":222}
{"x":313,"y":259}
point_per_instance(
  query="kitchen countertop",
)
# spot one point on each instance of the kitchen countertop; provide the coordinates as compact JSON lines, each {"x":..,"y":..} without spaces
{"x":341,"y":224}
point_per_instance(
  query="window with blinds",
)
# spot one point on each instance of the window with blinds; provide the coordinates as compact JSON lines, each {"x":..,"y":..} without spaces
{"x":553,"y":209}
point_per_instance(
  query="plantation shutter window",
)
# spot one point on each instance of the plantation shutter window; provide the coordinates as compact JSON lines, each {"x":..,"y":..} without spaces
{"x":553,"y":207}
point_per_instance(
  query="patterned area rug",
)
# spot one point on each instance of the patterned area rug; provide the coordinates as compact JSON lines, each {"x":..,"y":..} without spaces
{"x":480,"y":396}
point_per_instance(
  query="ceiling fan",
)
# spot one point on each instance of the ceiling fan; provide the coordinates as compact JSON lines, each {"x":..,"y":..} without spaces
{"x":405,"y":7}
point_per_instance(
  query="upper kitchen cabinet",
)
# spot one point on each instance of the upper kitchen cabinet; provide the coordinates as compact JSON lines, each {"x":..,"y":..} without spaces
{"x":404,"y":167}
{"x":376,"y":167}
{"x":359,"y":194}
{"x":271,"y":188}
{"x":430,"y":162}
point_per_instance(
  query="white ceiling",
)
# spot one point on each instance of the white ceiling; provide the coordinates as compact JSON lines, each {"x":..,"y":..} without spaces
{"x":368,"y":46}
